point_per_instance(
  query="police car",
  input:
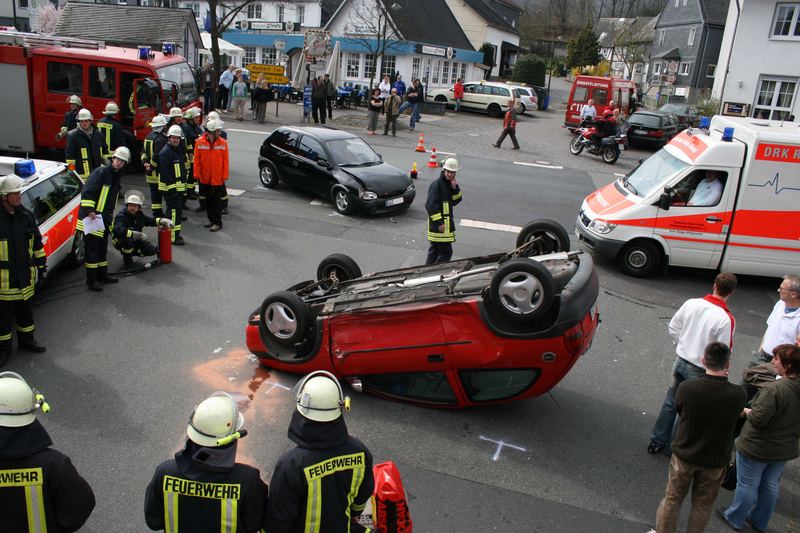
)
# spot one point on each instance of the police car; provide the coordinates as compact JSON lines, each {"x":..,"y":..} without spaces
{"x":53,"y":194}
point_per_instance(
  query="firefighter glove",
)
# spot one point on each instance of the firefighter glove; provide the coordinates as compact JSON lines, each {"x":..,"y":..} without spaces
{"x":167,"y":223}
{"x":138,"y":236}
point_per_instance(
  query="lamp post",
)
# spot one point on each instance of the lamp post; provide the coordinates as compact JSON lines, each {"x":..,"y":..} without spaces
{"x":552,"y":59}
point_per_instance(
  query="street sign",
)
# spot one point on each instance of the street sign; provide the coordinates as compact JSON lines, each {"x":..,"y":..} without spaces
{"x":279,"y":44}
{"x":260,"y":68}
{"x":274,"y":78}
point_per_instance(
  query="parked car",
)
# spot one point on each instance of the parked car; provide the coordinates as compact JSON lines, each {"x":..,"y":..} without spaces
{"x":334,"y":165}
{"x":687,"y":114}
{"x":52,"y":193}
{"x":485,"y":96}
{"x":527,"y":97}
{"x":652,"y":128}
{"x":474,"y":331}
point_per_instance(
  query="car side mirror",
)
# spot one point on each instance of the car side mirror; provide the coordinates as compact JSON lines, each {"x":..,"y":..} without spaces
{"x":324,"y":163}
{"x":664,"y":201}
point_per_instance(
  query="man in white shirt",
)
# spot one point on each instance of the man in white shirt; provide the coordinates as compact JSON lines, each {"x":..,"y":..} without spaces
{"x":783,"y":324}
{"x":699,"y":322}
{"x":708,"y":191}
{"x":588,"y":111}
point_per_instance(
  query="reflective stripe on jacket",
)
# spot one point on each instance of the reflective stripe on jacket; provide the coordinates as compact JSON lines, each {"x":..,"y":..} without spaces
{"x":211,"y":161}
{"x":21,"y":252}
{"x":113,"y":138}
{"x":439,"y":205}
{"x":100,"y":196}
{"x":152,"y":146}
{"x":84,"y":151}
{"x":172,"y":168}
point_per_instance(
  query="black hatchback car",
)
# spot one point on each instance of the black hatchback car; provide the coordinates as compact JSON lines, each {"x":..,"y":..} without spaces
{"x":335,"y":165}
{"x":652,"y":128}
{"x":688,"y":117}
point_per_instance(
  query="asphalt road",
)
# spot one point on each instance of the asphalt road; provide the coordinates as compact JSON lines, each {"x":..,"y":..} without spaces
{"x":125,"y":367}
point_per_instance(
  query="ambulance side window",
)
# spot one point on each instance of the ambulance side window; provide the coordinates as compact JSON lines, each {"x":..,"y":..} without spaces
{"x":102,"y":82}
{"x":43,"y":195}
{"x":67,"y":187}
{"x":27,"y":203}
{"x":64,"y":78}
{"x":692,"y":192}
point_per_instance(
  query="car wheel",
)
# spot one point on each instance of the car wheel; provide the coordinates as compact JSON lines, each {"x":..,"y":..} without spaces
{"x":268,"y":175}
{"x":640,"y":258}
{"x":545,"y":237}
{"x":343,"y":201}
{"x":336,"y":268}
{"x":576,"y":145}
{"x":77,"y":254}
{"x":441,"y":98}
{"x":522,"y":290}
{"x":522,"y":108}
{"x":610,"y":155}
{"x":285,"y":318}
{"x":494,"y":110}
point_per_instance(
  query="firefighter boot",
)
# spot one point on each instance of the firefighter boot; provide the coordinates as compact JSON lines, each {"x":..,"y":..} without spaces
{"x":26,"y":343}
{"x":103,"y":277}
{"x":5,"y":353}
{"x":91,"y":280}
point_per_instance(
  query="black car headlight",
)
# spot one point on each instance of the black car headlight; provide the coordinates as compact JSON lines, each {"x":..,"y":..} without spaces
{"x":369,"y":195}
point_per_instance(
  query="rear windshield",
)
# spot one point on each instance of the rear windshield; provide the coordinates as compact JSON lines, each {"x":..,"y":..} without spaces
{"x":651,"y":121}
{"x":653,"y":173}
{"x":674,"y":108}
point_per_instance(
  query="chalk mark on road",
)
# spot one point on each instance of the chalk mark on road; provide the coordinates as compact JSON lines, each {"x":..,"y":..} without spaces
{"x":278,"y":385}
{"x":466,"y":223}
{"x":500,"y":445}
{"x":524,"y":163}
{"x":249,"y":131}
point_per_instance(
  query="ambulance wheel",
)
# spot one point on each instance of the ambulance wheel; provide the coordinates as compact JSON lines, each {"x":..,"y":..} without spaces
{"x":337,"y":268}
{"x":610,"y":155}
{"x":494,"y":110}
{"x":268,"y":175}
{"x":546,"y":237}
{"x":522,"y":290}
{"x":285,"y":318}
{"x":78,"y":252}
{"x":640,"y":258}
{"x":576,"y":145}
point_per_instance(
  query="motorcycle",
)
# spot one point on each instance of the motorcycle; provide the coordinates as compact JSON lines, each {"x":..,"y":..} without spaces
{"x":609,"y":147}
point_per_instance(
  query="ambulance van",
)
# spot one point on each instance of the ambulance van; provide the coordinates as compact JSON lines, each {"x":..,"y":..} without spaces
{"x":725,"y":198}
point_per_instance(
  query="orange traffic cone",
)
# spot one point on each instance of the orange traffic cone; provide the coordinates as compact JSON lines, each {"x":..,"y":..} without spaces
{"x":414,"y":174}
{"x":432,"y":161}
{"x":421,"y":145}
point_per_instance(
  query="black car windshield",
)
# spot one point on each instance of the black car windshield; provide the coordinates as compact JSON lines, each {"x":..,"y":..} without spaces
{"x":182,"y":77}
{"x":352,"y":152}
{"x":650,"y":121}
{"x":680,"y":109}
{"x":653,"y":173}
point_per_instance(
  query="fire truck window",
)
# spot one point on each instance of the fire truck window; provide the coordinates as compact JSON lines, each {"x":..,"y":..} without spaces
{"x":580,"y":94}
{"x":102,"y":82}
{"x":600,"y":96}
{"x":64,"y":78}
{"x":45,"y":199}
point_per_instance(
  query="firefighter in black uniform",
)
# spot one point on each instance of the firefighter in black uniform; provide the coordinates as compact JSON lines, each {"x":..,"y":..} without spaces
{"x":152,"y":146}
{"x":20,"y":251}
{"x":324,"y":483}
{"x":127,"y":233}
{"x":99,"y":197}
{"x":172,"y":169}
{"x":71,"y":116}
{"x":40,"y":488}
{"x":191,"y":132}
{"x":84,"y":146}
{"x":176,"y":119}
{"x":203,"y":489}
{"x":111,"y":130}
{"x":443,"y":194}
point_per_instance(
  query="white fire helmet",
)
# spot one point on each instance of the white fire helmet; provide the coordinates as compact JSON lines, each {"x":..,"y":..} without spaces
{"x":74,"y":100}
{"x":320,"y":397}
{"x":175,"y":112}
{"x":216,"y":421}
{"x":85,"y":114}
{"x":175,"y":131}
{"x":122,"y":153}
{"x":111,"y":109}
{"x":214,"y":125}
{"x":18,"y":401}
{"x":451,"y":164}
{"x":133,"y":199}
{"x":158,"y":122}
{"x":192,"y":112}
{"x":213,"y":115}
{"x":10,"y":184}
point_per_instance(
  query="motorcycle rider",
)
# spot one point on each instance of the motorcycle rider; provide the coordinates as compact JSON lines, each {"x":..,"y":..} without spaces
{"x":606,"y":127}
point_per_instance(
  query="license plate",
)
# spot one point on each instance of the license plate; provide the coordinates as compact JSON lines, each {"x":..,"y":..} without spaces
{"x":621,"y":147}
{"x":394,"y":201}
{"x":640,"y":132}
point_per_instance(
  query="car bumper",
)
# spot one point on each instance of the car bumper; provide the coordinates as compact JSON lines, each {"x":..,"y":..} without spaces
{"x":646,"y":140}
{"x":379,"y":205}
{"x":598,"y":243}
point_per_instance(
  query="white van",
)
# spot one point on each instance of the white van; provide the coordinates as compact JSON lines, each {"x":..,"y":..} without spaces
{"x":746,"y":224}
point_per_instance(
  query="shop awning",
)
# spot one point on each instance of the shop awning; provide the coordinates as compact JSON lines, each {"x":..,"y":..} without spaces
{"x":225,"y":48}
{"x":511,"y":47}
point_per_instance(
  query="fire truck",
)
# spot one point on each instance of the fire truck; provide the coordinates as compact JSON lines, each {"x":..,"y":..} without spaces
{"x":39,"y":73}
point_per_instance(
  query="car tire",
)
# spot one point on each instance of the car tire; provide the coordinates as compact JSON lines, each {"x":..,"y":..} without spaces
{"x":522,"y":290}
{"x":576,"y":145}
{"x":77,"y":254}
{"x":286,"y":318}
{"x":268,"y":175}
{"x":440,"y":98}
{"x":610,"y":155}
{"x":522,"y":108}
{"x":494,"y":110}
{"x":343,"y":201}
{"x":343,"y":267}
{"x":551,"y":236}
{"x":640,"y":258}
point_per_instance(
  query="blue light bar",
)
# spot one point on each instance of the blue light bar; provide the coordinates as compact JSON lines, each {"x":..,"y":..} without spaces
{"x":24,"y":168}
{"x":705,"y":122}
{"x":144,"y":52}
{"x":168,"y":48}
{"x":727,"y":134}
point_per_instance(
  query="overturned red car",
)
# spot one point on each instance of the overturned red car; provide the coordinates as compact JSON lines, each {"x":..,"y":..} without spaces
{"x":474,"y":331}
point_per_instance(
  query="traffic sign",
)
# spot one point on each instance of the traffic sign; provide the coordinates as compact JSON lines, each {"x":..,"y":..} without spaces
{"x":259,"y":68}
{"x":274,"y":78}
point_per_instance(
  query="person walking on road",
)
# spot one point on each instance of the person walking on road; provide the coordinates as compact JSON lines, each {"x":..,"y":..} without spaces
{"x":203,"y":489}
{"x":413,"y":99}
{"x":509,"y":126}
{"x":458,"y":93}
{"x":324,"y":483}
{"x":211,"y":170}
{"x":392,"y":109}
{"x":330,"y":95}
{"x":443,"y":194}
{"x":783,"y":323}
{"x":709,"y":408}
{"x":319,"y":97}
{"x":172,"y":168}
{"x":207,"y":87}
{"x":374,"y":108}
{"x":23,"y":268}
{"x":40,"y":490}
{"x":698,"y":322}
{"x":84,"y":148}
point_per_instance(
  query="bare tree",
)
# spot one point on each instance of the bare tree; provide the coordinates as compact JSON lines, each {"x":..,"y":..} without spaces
{"x":631,"y":50}
{"x":46,"y":18}
{"x":370,"y":26}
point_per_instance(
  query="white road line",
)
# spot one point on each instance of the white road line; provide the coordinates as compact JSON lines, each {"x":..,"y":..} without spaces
{"x":249,"y":131}
{"x":543,"y":162}
{"x":473,"y":134}
{"x":440,"y":152}
{"x":489,"y":225}
{"x":555,"y":167}
{"x":236,"y":192}
{"x":618,"y":174}
{"x":323,"y":203}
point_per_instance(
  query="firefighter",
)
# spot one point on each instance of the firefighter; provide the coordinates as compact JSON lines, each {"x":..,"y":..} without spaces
{"x":172,"y":170}
{"x":128,"y":231}
{"x":443,"y":194}
{"x":211,"y":170}
{"x":22,"y":264}
{"x":203,"y":489}
{"x":176,"y":119}
{"x":191,"y":132}
{"x":40,"y":488}
{"x":71,"y":116}
{"x":111,"y":130}
{"x":324,"y":483}
{"x":84,"y":146}
{"x":213,"y":115}
{"x":99,"y":198}
{"x":151,"y":147}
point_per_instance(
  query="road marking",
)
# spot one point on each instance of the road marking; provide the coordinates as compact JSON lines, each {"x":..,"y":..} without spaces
{"x":236,"y":192}
{"x":276,"y":384}
{"x":618,"y":174}
{"x":473,"y":134}
{"x":556,"y":167}
{"x":249,"y":131}
{"x":445,"y":153}
{"x":543,"y":162}
{"x":323,"y":203}
{"x":489,"y":225}
{"x":500,"y":446}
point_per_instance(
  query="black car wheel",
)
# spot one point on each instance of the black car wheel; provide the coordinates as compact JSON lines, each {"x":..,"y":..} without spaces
{"x":440,"y":98}
{"x":268,"y":175}
{"x":337,"y":268}
{"x":286,"y":318}
{"x":343,"y":201}
{"x":494,"y":110}
{"x":640,"y":258}
{"x":576,"y":145}
{"x":522,"y":290}
{"x":77,"y":254}
{"x":610,"y":154}
{"x":545,"y":237}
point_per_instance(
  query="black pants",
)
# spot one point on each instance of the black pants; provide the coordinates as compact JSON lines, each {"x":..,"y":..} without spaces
{"x":156,"y":200}
{"x":9,"y":310}
{"x":439,"y":252}
{"x":175,"y":212}
{"x":224,"y":197}
{"x":390,"y":119}
{"x":96,"y":257}
{"x":329,"y":104}
{"x":511,"y":132}
{"x":318,"y":110}
{"x":129,"y":248}
{"x":208,"y":100}
{"x":222,"y":97}
{"x":202,"y":194}
{"x":214,"y":203}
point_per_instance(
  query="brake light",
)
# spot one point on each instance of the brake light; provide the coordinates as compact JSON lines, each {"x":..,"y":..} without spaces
{"x":657,"y":133}
{"x":573,"y":339}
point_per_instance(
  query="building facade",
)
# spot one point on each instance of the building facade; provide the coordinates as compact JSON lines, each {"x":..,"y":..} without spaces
{"x":625,"y":44}
{"x":16,"y":11}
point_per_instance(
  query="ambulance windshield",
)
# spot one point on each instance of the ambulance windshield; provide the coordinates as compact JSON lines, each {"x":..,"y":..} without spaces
{"x":654,"y":172}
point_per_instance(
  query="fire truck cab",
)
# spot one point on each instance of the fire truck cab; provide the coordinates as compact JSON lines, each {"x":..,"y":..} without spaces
{"x":40,"y":73}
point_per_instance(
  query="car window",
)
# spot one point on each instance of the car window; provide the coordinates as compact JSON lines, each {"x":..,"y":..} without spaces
{"x":432,"y":387}
{"x":500,"y":91}
{"x":520,"y":93}
{"x":351,"y":152}
{"x":600,"y":96}
{"x":469,"y":88}
{"x":27,"y":203}
{"x":67,"y":185}
{"x":580,"y":94}
{"x":311,"y":148}
{"x":285,"y":140}
{"x":64,"y":78}
{"x":686,"y":191}
{"x":44,"y":197}
{"x":486,"y":385}
{"x":483,"y":89}
{"x":640,"y":119}
{"x":656,"y":171}
{"x":102,"y":82}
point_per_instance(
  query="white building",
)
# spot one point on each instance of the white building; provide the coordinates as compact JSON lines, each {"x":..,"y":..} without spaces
{"x":21,"y":9}
{"x":308,"y":14}
{"x":758,"y":71}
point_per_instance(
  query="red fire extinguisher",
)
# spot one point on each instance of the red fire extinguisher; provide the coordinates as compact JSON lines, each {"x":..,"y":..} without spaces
{"x":164,"y":245}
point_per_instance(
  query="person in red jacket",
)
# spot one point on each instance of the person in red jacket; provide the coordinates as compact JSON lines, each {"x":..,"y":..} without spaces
{"x":509,"y":126}
{"x":458,"y":93}
{"x":211,"y":171}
